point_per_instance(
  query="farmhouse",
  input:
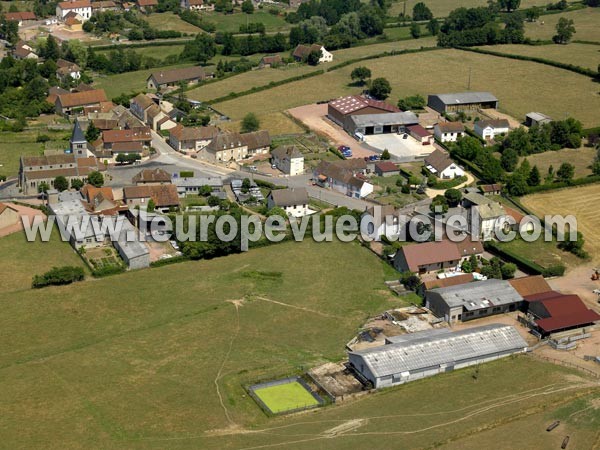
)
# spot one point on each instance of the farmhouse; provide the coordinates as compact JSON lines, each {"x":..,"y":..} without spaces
{"x":491,"y":189}
{"x":174,"y":77}
{"x":386,"y":169}
{"x":301,"y":52}
{"x":341,"y":109}
{"x":82,"y":8}
{"x":258,"y":142}
{"x":146,"y":5}
{"x":191,"y":139}
{"x":486,"y":217}
{"x":489,"y":129}
{"x":74,"y":102}
{"x":379,"y":221}
{"x":23,"y":50}
{"x":473,"y":300}
{"x":225,"y":147}
{"x":164,"y":196}
{"x":293,"y":201}
{"x":449,"y":131}
{"x":427,"y":257}
{"x":139,"y":134}
{"x":413,"y":356}
{"x":104,"y":5}
{"x":197,"y":5}
{"x":368,"y":124}
{"x":440,"y":164}
{"x":151,"y":177}
{"x":67,"y":70}
{"x":288,"y":159}
{"x":535,"y":119}
{"x":333,"y":176}
{"x":9,"y":215}
{"x":462,"y":101}
{"x":553,"y":312}
{"x":35,"y":170}
{"x":20,"y":17}
{"x":420,"y":134}
{"x":270,"y":61}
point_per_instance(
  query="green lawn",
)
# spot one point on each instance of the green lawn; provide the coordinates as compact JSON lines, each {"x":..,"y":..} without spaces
{"x":585,"y":20}
{"x":22,"y":260}
{"x":171,"y":21}
{"x":156,"y":52}
{"x":540,"y":252}
{"x":286,"y":397}
{"x":579,"y":94}
{"x":128,"y":82}
{"x":230,"y":23}
{"x":582,"y":158}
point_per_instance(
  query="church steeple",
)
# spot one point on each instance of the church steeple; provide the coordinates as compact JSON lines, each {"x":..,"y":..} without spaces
{"x":79,"y":144}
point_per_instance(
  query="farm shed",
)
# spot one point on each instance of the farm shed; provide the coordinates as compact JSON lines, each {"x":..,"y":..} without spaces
{"x":339,"y":110}
{"x":473,"y":300}
{"x":462,"y":101}
{"x":427,"y":353}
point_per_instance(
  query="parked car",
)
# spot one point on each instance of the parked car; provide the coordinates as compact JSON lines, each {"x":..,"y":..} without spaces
{"x":252,"y":168}
{"x":343,"y":148}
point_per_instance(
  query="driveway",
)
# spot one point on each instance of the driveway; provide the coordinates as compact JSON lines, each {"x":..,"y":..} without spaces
{"x":402,"y":150}
{"x":431,"y":193}
{"x":314,"y":117}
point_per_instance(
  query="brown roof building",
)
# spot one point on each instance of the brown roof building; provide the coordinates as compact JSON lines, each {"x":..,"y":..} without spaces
{"x":427,"y":257}
{"x":164,"y":78}
{"x":70,"y":103}
{"x":139,"y":134}
{"x":340,"y":109}
{"x":164,"y":195}
{"x":531,"y":285}
{"x":258,"y":142}
{"x":152,"y":177}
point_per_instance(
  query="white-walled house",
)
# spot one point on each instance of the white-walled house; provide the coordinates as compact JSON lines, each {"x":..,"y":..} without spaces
{"x":302,"y":51}
{"x":293,"y":201}
{"x":80,"y":7}
{"x":333,"y":176}
{"x":440,"y":164}
{"x":288,"y":159}
{"x":379,"y":221}
{"x":449,"y":131}
{"x":489,"y":129}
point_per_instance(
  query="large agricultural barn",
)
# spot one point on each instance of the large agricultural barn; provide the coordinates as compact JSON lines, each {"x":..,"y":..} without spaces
{"x":368,"y":124}
{"x":341,"y":109}
{"x":409,"y":357}
{"x":462,"y":101}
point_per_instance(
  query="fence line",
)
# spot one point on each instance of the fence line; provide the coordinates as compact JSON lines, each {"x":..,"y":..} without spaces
{"x":566,"y":364}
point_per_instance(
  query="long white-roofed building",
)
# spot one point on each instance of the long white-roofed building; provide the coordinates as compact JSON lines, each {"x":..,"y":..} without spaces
{"x":423,"y":354}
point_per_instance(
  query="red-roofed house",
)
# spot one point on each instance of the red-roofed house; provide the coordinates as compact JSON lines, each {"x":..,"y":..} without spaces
{"x":386,"y":169}
{"x":146,"y":5}
{"x":552,"y":312}
{"x":20,"y":17}
{"x":82,"y":8}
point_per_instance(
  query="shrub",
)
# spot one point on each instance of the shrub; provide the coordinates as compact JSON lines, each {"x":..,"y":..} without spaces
{"x":58,"y":276}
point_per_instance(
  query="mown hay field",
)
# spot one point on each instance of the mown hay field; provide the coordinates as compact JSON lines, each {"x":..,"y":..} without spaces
{"x":583,"y":55}
{"x":578,"y":201}
{"x":169,"y":21}
{"x":441,"y":8}
{"x":444,"y":71}
{"x":582,"y":158}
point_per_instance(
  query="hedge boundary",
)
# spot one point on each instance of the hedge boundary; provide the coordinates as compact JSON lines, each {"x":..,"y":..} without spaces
{"x":570,"y":67}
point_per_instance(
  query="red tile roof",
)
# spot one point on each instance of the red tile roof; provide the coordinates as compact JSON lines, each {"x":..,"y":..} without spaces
{"x":447,"y":282}
{"x":386,"y":166}
{"x":532,"y":285}
{"x":565,"y":311}
{"x":17,"y":16}
{"x":75,"y":99}
{"x":353,"y":103}
{"x":139,"y":134}
{"x":418,"y":130}
{"x":74,"y":5}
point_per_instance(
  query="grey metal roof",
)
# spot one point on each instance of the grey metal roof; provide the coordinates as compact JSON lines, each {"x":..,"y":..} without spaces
{"x":434,"y":349}
{"x":480,"y":294}
{"x":419,"y":335}
{"x":538,"y":117}
{"x":199,"y":181}
{"x":129,"y":242}
{"x":466,"y":97}
{"x":400,"y":118}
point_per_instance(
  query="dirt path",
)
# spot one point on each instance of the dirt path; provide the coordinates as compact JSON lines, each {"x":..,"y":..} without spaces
{"x":298,"y":307}
{"x":431,"y":193}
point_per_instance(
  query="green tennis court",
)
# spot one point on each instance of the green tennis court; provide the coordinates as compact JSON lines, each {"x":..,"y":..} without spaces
{"x":286,"y":397}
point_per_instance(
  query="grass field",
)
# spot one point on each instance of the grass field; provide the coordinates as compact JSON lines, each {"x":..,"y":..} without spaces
{"x":441,"y":8}
{"x":156,"y":52}
{"x":586,"y":24}
{"x":22,"y":259}
{"x":543,"y":253}
{"x":286,"y":397}
{"x":582,"y":158}
{"x":159,"y":358}
{"x":230,"y":23}
{"x":170,"y":21}
{"x":509,"y":80}
{"x":582,"y":55}
{"x":275,"y":123}
{"x":577,"y":201}
{"x":128,"y":82}
{"x":15,"y":145}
